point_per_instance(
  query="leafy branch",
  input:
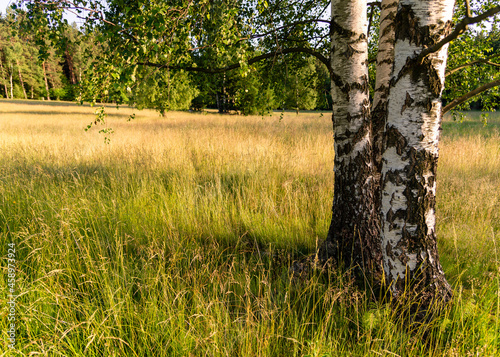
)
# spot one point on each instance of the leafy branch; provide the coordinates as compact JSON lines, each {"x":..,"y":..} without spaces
{"x":316,"y":54}
{"x":465,"y":97}
{"x":482,"y":60}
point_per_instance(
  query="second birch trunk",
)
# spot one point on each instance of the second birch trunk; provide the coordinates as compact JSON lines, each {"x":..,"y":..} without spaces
{"x":411,"y":153}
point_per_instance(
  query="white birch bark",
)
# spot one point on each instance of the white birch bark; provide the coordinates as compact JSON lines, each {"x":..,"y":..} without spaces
{"x":46,"y":81}
{"x":349,"y":61}
{"x":385,"y":54}
{"x":10,"y":79}
{"x":385,"y":62}
{"x":411,"y":150}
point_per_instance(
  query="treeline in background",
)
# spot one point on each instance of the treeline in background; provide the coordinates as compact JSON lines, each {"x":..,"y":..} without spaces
{"x":72,"y":71}
{"x":298,"y":83}
{"x":23,"y":75}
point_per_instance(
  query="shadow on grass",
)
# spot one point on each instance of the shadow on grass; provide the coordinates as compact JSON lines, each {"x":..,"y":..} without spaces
{"x":54,"y":114}
{"x":56,"y":103}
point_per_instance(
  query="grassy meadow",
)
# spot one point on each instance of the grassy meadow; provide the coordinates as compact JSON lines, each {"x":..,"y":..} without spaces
{"x":176,"y":238}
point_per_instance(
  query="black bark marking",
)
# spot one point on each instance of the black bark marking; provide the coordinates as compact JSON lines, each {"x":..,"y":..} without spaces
{"x":408,"y":28}
{"x":403,"y":257}
{"x":346,"y":88}
{"x":391,"y":216}
{"x":337,"y":80}
{"x":350,"y":51}
{"x":408,"y":102}
{"x":395,"y":139}
{"x":386,"y":30}
{"x":421,"y":163}
{"x":360,"y":134}
{"x":379,"y":116}
{"x":428,"y":104}
{"x":389,"y":60}
{"x":420,"y":69}
{"x":343,"y":32}
{"x":344,"y":149}
{"x":394,"y":176}
{"x":435,"y":83}
{"x":388,"y":250}
{"x":392,"y":4}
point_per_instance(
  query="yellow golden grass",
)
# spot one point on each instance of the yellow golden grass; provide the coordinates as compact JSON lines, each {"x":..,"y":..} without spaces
{"x":302,"y":143}
{"x":175,"y":238}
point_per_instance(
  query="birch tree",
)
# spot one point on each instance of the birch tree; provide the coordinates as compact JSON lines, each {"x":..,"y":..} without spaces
{"x":398,"y":232}
{"x":400,"y":135}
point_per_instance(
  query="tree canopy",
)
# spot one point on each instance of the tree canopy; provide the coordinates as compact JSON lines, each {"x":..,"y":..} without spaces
{"x":143,"y":40}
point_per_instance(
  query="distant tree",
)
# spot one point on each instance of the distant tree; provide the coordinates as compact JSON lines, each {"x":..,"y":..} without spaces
{"x":3,"y":60}
{"x":22,"y":73}
{"x":33,"y":73}
{"x":323,"y":86}
{"x":253,"y":94}
{"x":9,"y":59}
{"x":301,"y":87}
{"x":173,"y":91}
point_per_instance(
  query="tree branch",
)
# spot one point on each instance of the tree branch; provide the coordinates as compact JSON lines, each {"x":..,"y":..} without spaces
{"x":486,"y":60}
{"x":71,"y":6}
{"x":237,"y":65}
{"x":324,"y":9}
{"x":370,"y":22}
{"x":469,"y":95}
{"x":468,"y":13}
{"x":286,"y":26}
{"x":459,"y":29}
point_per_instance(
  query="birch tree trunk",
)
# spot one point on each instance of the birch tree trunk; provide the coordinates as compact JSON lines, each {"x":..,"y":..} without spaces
{"x":411,"y":152}
{"x":353,"y":236}
{"x":21,"y":79}
{"x":11,"y":83}
{"x":385,"y":63}
{"x":46,"y":80}
{"x":4,"y":80}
